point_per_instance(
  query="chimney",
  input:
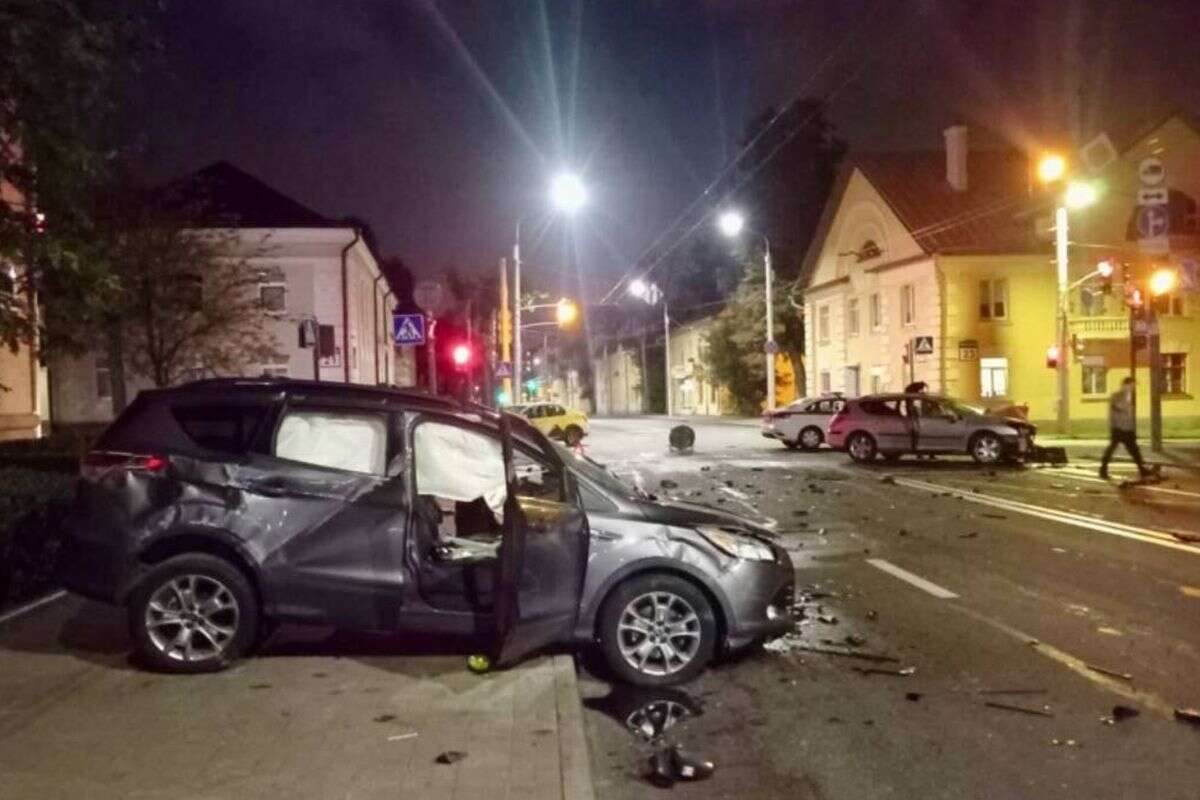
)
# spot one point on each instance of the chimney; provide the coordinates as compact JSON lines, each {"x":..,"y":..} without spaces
{"x":956,"y":157}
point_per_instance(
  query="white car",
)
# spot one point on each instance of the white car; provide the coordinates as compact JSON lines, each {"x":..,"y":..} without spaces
{"x":802,"y":423}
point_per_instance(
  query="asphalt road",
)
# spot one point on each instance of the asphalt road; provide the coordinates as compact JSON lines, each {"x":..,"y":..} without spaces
{"x":1035,"y":588}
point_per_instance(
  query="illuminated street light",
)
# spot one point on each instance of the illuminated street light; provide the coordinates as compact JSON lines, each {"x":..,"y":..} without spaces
{"x":1051,"y":168}
{"x":566,"y":312}
{"x":638,"y":288}
{"x":730,"y":223}
{"x":1104,"y":269}
{"x":1163,"y":281}
{"x":567,"y":193}
{"x":1079,"y":194}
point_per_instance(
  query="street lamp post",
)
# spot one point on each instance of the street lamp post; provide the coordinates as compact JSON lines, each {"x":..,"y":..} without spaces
{"x":731,"y":224}
{"x":568,"y":195}
{"x":1077,"y":194}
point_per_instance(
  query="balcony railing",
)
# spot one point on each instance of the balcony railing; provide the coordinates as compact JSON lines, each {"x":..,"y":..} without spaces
{"x":1100,"y":327}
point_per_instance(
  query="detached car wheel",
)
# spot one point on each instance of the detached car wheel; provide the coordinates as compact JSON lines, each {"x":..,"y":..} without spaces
{"x":193,"y":613}
{"x":573,"y":435}
{"x":657,"y":630}
{"x":861,"y":447}
{"x":811,"y":438}
{"x":986,"y":448}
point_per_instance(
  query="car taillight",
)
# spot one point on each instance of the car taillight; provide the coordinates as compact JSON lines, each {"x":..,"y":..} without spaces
{"x":98,"y":462}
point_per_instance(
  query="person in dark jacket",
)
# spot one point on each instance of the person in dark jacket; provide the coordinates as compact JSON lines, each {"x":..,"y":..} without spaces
{"x":1122,"y":429}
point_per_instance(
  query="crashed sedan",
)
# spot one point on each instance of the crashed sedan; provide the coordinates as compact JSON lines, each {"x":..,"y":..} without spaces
{"x":214,"y":510}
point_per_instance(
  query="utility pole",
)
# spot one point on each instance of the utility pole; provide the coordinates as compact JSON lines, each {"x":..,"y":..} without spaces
{"x":1152,"y":339}
{"x":431,"y":355}
{"x":770,"y":345}
{"x":1061,"y":263}
{"x":667,"y":353}
{"x":643,"y":369}
{"x":518,"y":386}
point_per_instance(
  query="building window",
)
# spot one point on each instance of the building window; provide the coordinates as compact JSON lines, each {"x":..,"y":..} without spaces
{"x":993,"y":377}
{"x":993,"y":299}
{"x":826,"y":386}
{"x":876,"y":383}
{"x":1095,"y":379}
{"x":1174,"y":373}
{"x":1169,"y":305}
{"x":273,"y":297}
{"x":868,"y":251}
{"x":852,"y":317}
{"x":907,"y":304}
{"x":876,"y":312}
{"x":103,"y":378}
{"x":823,"y":323}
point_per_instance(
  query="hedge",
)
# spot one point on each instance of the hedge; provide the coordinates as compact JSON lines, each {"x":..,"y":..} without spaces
{"x":33,"y":503}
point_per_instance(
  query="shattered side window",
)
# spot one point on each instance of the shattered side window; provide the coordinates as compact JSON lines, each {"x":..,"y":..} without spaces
{"x":348,"y":440}
{"x":459,"y":464}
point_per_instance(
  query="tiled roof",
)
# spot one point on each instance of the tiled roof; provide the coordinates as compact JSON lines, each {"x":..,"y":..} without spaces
{"x":984,"y":218}
{"x":221,"y":194}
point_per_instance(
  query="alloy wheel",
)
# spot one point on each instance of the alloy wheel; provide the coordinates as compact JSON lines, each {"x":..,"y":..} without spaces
{"x":810,"y":438}
{"x":192,"y":618}
{"x":987,"y":449}
{"x":659,"y":633}
{"x":861,"y":447}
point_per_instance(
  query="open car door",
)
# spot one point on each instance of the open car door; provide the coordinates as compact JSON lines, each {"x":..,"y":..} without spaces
{"x":543,"y":553}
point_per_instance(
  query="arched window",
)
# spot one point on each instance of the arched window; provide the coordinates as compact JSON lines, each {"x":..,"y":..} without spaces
{"x":868,"y":250}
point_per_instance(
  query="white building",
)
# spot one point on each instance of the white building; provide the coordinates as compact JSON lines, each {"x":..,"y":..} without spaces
{"x":311,"y":267}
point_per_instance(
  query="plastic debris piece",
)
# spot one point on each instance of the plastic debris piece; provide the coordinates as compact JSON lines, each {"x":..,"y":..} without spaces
{"x":904,"y":672}
{"x":400,"y":736}
{"x":872,"y":615}
{"x":689,"y":767}
{"x":875,"y":657}
{"x":902,"y":532}
{"x":1190,"y":715}
{"x":888,"y":479}
{"x":969,"y":535}
{"x":913,"y":697}
{"x":705,"y":469}
{"x":1064,"y":743}
{"x":385,"y":718}
{"x":994,"y":516}
{"x":667,"y":483}
{"x":1124,"y":712}
{"x":854,"y":641}
{"x":479,"y":663}
{"x":1038,"y":712}
{"x":450,"y":757}
{"x":828,"y":619}
{"x":1125,"y":676}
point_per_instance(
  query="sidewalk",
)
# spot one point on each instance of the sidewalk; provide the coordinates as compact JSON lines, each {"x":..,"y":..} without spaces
{"x":312,"y":717}
{"x":1183,"y":453}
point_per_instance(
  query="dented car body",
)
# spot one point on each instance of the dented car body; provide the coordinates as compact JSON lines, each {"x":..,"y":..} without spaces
{"x":214,"y":509}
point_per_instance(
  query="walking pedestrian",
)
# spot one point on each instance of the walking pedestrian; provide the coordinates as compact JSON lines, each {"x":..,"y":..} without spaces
{"x":1122,"y":429}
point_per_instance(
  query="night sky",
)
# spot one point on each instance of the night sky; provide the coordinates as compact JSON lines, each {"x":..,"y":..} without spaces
{"x":441,"y":123}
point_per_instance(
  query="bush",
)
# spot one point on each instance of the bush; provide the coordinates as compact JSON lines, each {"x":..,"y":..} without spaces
{"x":32,"y":508}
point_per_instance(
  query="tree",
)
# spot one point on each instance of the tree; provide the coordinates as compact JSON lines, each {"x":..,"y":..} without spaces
{"x":185,"y":301}
{"x":736,"y":346}
{"x":64,"y":68}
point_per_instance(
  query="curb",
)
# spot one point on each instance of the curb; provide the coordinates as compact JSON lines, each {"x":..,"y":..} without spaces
{"x":573,"y":758}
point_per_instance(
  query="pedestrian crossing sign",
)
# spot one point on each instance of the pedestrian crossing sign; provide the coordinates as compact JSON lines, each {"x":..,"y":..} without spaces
{"x":408,"y":329}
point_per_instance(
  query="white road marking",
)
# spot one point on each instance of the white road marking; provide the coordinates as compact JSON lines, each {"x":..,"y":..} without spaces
{"x":735,"y":493}
{"x":1149,"y":535}
{"x":1069,"y":472}
{"x":915,"y":580}
{"x":25,"y":609}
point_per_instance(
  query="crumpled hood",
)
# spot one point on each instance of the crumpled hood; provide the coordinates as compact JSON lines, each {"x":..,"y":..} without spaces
{"x":689,"y":515}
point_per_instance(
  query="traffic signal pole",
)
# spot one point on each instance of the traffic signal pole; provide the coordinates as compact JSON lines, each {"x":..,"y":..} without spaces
{"x":1061,"y":263}
{"x":1152,"y":339}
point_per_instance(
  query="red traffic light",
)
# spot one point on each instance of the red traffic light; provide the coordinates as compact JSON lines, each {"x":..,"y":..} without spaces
{"x":461,"y":355}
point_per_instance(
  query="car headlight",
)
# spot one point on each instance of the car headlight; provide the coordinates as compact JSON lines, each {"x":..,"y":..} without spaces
{"x":738,"y":545}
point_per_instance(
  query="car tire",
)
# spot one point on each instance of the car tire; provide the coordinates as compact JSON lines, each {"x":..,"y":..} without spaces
{"x":861,"y":447}
{"x":635,"y":604}
{"x":573,"y":435}
{"x":986,"y":448}
{"x":810,"y":438}
{"x":193,"y":613}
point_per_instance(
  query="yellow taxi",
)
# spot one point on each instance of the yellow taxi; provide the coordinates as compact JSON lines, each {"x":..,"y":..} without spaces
{"x":555,"y":421}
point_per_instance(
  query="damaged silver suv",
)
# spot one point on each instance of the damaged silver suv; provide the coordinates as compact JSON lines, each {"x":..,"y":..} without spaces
{"x":215,"y":509}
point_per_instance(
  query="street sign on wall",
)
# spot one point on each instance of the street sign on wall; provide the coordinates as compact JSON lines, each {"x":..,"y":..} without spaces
{"x":923,"y":345}
{"x":408,"y":329}
{"x":1153,"y":211}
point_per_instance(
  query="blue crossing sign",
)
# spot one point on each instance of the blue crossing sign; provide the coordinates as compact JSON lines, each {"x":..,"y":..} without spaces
{"x":408,"y":329}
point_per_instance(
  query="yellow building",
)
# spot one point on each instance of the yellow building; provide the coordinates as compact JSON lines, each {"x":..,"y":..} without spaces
{"x":938,"y":267}
{"x":23,"y":394}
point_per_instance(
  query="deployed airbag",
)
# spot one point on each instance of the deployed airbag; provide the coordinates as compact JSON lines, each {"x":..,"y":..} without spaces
{"x":459,"y":464}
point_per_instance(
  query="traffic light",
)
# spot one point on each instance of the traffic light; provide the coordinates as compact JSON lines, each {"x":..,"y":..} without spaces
{"x":462,"y":356}
{"x":565,"y":312}
{"x":1052,"y":356}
